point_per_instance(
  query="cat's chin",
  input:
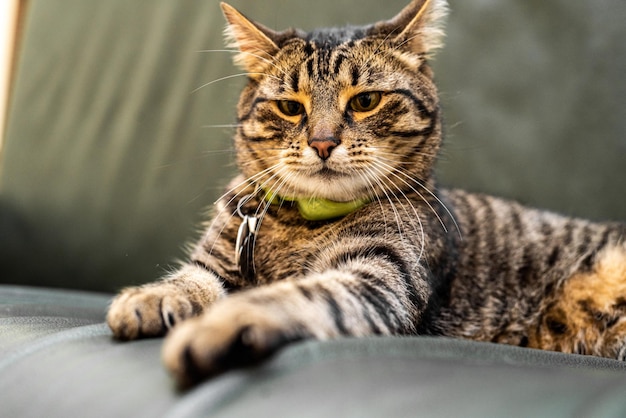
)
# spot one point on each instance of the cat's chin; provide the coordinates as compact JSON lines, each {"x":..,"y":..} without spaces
{"x":327,"y":173}
{"x":328,"y":184}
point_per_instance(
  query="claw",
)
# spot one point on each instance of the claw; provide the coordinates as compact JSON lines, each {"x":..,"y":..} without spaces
{"x":229,"y":337}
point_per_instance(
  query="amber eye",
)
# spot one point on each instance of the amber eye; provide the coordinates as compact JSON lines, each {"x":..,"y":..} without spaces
{"x":365,"y":102}
{"x":290,"y":107}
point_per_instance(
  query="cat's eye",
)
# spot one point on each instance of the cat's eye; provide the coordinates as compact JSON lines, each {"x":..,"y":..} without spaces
{"x":290,"y":107}
{"x":365,"y":102}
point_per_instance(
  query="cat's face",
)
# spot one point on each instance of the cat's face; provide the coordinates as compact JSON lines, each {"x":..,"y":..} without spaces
{"x":339,"y":114}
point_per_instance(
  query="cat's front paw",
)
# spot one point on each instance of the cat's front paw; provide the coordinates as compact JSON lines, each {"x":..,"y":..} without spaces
{"x":147,"y":311}
{"x":231,"y":334}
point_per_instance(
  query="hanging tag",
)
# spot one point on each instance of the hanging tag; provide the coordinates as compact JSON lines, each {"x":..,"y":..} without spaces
{"x":244,"y":247}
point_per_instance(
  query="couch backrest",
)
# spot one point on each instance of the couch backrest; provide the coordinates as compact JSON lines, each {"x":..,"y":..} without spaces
{"x":112,"y":155}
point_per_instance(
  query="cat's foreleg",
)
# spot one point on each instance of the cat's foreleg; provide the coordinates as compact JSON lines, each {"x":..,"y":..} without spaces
{"x":251,"y":325}
{"x":152,"y":309}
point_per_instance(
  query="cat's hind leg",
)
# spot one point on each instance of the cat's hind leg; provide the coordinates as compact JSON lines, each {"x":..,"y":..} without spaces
{"x":587,"y":314}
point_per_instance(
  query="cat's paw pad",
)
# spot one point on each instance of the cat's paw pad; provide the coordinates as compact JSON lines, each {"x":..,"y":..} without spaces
{"x":147,"y":311}
{"x":228,"y":336}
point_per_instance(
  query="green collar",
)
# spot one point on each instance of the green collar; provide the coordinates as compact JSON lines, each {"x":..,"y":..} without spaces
{"x":316,"y":209}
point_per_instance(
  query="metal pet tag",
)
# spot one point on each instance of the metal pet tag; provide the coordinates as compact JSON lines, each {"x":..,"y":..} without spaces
{"x":244,"y":246}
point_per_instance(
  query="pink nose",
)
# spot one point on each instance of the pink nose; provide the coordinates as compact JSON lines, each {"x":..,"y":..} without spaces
{"x":324,"y":146}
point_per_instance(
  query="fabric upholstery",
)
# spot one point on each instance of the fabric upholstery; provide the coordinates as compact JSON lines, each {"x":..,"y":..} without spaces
{"x":59,"y":360}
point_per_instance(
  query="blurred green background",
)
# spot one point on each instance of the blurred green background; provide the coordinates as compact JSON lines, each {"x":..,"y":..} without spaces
{"x":113,"y":155}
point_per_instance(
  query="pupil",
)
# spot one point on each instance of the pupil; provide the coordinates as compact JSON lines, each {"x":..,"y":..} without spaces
{"x":365,"y":100}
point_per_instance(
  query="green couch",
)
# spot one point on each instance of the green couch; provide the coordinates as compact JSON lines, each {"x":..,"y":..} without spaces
{"x":57,"y":359}
{"x":113,"y":154}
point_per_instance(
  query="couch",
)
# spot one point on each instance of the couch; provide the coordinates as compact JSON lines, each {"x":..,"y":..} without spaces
{"x":114,"y":151}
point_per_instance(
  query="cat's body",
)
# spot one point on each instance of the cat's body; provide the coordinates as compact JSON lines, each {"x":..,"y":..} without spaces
{"x":336,"y":227}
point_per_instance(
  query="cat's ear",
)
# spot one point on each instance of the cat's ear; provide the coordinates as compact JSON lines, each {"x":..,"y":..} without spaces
{"x":255,"y":42}
{"x":419,"y":27}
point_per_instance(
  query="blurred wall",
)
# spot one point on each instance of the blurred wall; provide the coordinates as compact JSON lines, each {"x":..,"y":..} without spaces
{"x":113,"y":151}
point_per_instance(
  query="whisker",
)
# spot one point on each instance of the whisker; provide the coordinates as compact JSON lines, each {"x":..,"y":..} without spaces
{"x":232,"y":51}
{"x":271,"y":62}
{"x":218,"y":151}
{"x":392,"y":205}
{"x":392,"y":171}
{"x":393,"y":156}
{"x":246,"y":182}
{"x":384,"y":174}
{"x":232,"y":125}
{"x":229,"y":77}
{"x":395,"y":172}
{"x":374,"y":195}
{"x":265,"y":204}
{"x":420,"y":232}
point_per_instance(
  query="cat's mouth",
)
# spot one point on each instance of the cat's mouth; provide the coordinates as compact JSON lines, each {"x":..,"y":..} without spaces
{"x":328,"y":173}
{"x":327,"y":183}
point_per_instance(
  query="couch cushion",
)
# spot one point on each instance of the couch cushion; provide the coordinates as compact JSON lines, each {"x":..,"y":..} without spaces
{"x":54,"y":363}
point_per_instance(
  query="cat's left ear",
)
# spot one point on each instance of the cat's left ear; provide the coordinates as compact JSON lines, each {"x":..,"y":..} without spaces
{"x":256,"y":43}
{"x":419,"y":27}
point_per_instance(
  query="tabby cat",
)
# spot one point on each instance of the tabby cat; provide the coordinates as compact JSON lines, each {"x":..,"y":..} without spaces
{"x":336,"y":227}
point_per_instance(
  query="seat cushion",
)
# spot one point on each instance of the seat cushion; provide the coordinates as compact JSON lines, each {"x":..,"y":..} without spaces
{"x":58,"y":359}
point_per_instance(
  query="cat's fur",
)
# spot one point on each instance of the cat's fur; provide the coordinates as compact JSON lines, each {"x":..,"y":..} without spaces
{"x":414,"y":260}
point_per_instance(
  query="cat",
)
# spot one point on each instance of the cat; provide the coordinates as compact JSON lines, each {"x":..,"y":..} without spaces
{"x":336,"y":226}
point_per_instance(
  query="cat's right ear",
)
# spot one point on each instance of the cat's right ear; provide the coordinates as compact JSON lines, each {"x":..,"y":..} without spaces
{"x":255,"y":42}
{"x":418,"y":28}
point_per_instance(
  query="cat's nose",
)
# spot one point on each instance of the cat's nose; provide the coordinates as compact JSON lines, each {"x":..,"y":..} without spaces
{"x":324,"y":146}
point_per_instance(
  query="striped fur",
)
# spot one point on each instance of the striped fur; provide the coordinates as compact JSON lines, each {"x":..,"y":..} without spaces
{"x":415,"y":260}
